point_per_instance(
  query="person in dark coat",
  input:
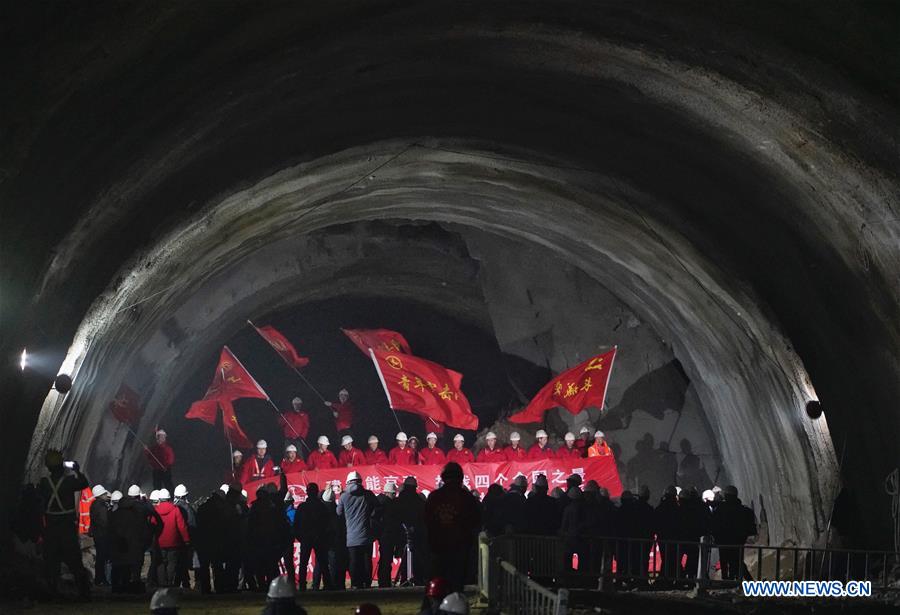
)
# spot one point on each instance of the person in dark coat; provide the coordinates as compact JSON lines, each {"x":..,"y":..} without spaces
{"x":60,"y":522}
{"x":233,"y":536}
{"x":129,"y":531}
{"x":492,"y":507}
{"x":268,"y":535}
{"x":513,"y":507}
{"x":312,"y":527}
{"x":694,"y":523}
{"x":452,"y":520}
{"x":731,"y":524}
{"x":541,"y":511}
{"x":666,"y":525}
{"x":337,"y":553}
{"x":386,"y":529}
{"x":357,"y":507}
{"x":410,"y":513}
{"x":574,"y":527}
{"x":208,"y":542}
{"x":634,"y":525}
{"x":100,"y":533}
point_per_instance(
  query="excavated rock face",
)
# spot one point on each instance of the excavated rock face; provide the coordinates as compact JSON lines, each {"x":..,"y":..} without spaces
{"x":710,"y":192}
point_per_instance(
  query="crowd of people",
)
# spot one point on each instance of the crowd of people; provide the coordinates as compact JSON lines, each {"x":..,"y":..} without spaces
{"x":224,"y":544}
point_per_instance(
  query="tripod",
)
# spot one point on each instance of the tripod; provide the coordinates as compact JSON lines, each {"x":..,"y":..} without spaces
{"x":408,"y":556}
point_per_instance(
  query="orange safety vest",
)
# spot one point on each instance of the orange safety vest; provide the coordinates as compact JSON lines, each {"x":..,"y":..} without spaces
{"x":601,"y":450}
{"x":84,"y":510}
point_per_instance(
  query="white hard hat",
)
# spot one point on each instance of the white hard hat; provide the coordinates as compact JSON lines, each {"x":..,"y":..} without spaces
{"x":180,"y":491}
{"x":708,"y":495}
{"x":282,"y":587}
{"x":163,"y":599}
{"x":134,"y":491}
{"x":458,"y":437}
{"x":490,"y":435}
{"x":431,"y":436}
{"x":585,"y":429}
{"x":163,"y":494}
{"x":455,"y":603}
{"x":401,"y":436}
{"x":353,"y":475}
{"x":569,"y":436}
{"x":296,"y":399}
{"x":323,"y":440}
{"x":237,"y":453}
{"x":344,"y":391}
{"x":346,"y":440}
{"x":262,"y":444}
{"x":514,"y":436}
{"x":161,"y":432}
{"x":290,"y":449}
{"x":244,"y":492}
{"x":116,"y":496}
{"x":224,"y":488}
{"x":98,"y":490}
{"x":373,"y":439}
{"x":390,"y":487}
{"x":599,"y":434}
{"x":154,"y":495}
{"x":540,"y":434}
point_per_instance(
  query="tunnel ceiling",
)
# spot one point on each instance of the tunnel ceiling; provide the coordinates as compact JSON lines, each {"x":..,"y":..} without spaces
{"x":732,"y":186}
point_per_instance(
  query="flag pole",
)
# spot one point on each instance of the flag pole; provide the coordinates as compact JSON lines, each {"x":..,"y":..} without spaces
{"x":227,"y":439}
{"x":146,"y":448}
{"x":268,"y":399}
{"x":293,"y":367}
{"x":386,"y":392}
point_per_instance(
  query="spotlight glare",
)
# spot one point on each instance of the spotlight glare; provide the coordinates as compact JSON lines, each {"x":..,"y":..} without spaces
{"x":23,"y":362}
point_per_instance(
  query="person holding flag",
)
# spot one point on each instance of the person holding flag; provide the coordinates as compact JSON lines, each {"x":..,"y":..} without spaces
{"x":161,"y":458}
{"x":459,"y":453}
{"x":402,"y":454}
{"x":237,"y":467}
{"x":342,"y":411}
{"x":373,"y":454}
{"x":431,"y":455}
{"x":260,"y":466}
{"x":294,"y":423}
{"x":491,"y":453}
{"x":350,"y":456}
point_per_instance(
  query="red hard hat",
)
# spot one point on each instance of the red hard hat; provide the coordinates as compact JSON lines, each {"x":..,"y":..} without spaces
{"x":437,"y":588}
{"x":367,"y":608}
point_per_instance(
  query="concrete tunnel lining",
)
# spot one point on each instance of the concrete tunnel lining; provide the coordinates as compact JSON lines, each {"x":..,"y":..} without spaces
{"x":754,"y":405}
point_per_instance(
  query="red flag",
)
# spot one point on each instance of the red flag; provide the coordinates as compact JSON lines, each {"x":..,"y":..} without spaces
{"x":383,"y":340}
{"x":125,"y":406}
{"x":231,"y":381}
{"x":575,"y":389}
{"x":282,"y":346}
{"x":422,"y":387}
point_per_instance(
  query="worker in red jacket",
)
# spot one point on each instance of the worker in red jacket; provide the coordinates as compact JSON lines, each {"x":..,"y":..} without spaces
{"x":260,"y":466}
{"x":431,"y":455}
{"x":350,"y":456}
{"x":172,"y":539}
{"x":292,"y":461}
{"x":402,"y":454}
{"x":491,"y":453}
{"x":514,"y":452}
{"x":342,"y":411}
{"x":459,"y":453}
{"x":321,"y":458}
{"x":294,"y":423}
{"x":570,"y":450}
{"x":374,"y":454}
{"x":161,"y":458}
{"x":540,"y":450}
{"x":584,"y":440}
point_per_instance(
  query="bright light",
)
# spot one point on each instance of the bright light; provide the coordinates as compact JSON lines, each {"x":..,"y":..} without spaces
{"x":23,"y":362}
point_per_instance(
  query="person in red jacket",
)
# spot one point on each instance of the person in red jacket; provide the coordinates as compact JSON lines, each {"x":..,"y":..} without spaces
{"x":292,"y":461}
{"x":431,"y":455}
{"x":402,"y":454}
{"x":260,"y":466}
{"x":514,"y":452}
{"x":321,"y":458}
{"x":459,"y":453}
{"x":294,"y":423}
{"x":342,"y":411}
{"x":236,"y":473}
{"x":491,"y":453}
{"x":413,"y":444}
{"x":172,"y":539}
{"x":350,"y":456}
{"x":161,"y":458}
{"x":540,"y":450}
{"x":584,"y":440}
{"x":570,"y":450}
{"x":374,"y":454}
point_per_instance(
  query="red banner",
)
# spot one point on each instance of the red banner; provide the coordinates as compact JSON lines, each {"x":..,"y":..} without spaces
{"x":378,"y":339}
{"x":125,"y":406}
{"x":478,"y":476}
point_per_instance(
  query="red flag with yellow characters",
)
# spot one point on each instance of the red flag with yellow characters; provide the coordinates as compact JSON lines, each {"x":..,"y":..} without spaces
{"x":282,"y":346}
{"x":378,"y":339}
{"x":231,"y":381}
{"x":422,"y":387}
{"x":575,"y":389}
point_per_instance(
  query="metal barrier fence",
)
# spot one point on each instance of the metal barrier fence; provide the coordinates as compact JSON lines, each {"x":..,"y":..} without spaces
{"x":558,"y":561}
{"x":519,"y":595}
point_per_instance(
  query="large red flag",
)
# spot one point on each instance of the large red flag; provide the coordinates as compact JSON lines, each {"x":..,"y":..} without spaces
{"x":422,"y":387}
{"x":384,"y":340}
{"x":231,"y":381}
{"x":125,"y":406}
{"x":282,"y":346}
{"x":575,"y":389}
